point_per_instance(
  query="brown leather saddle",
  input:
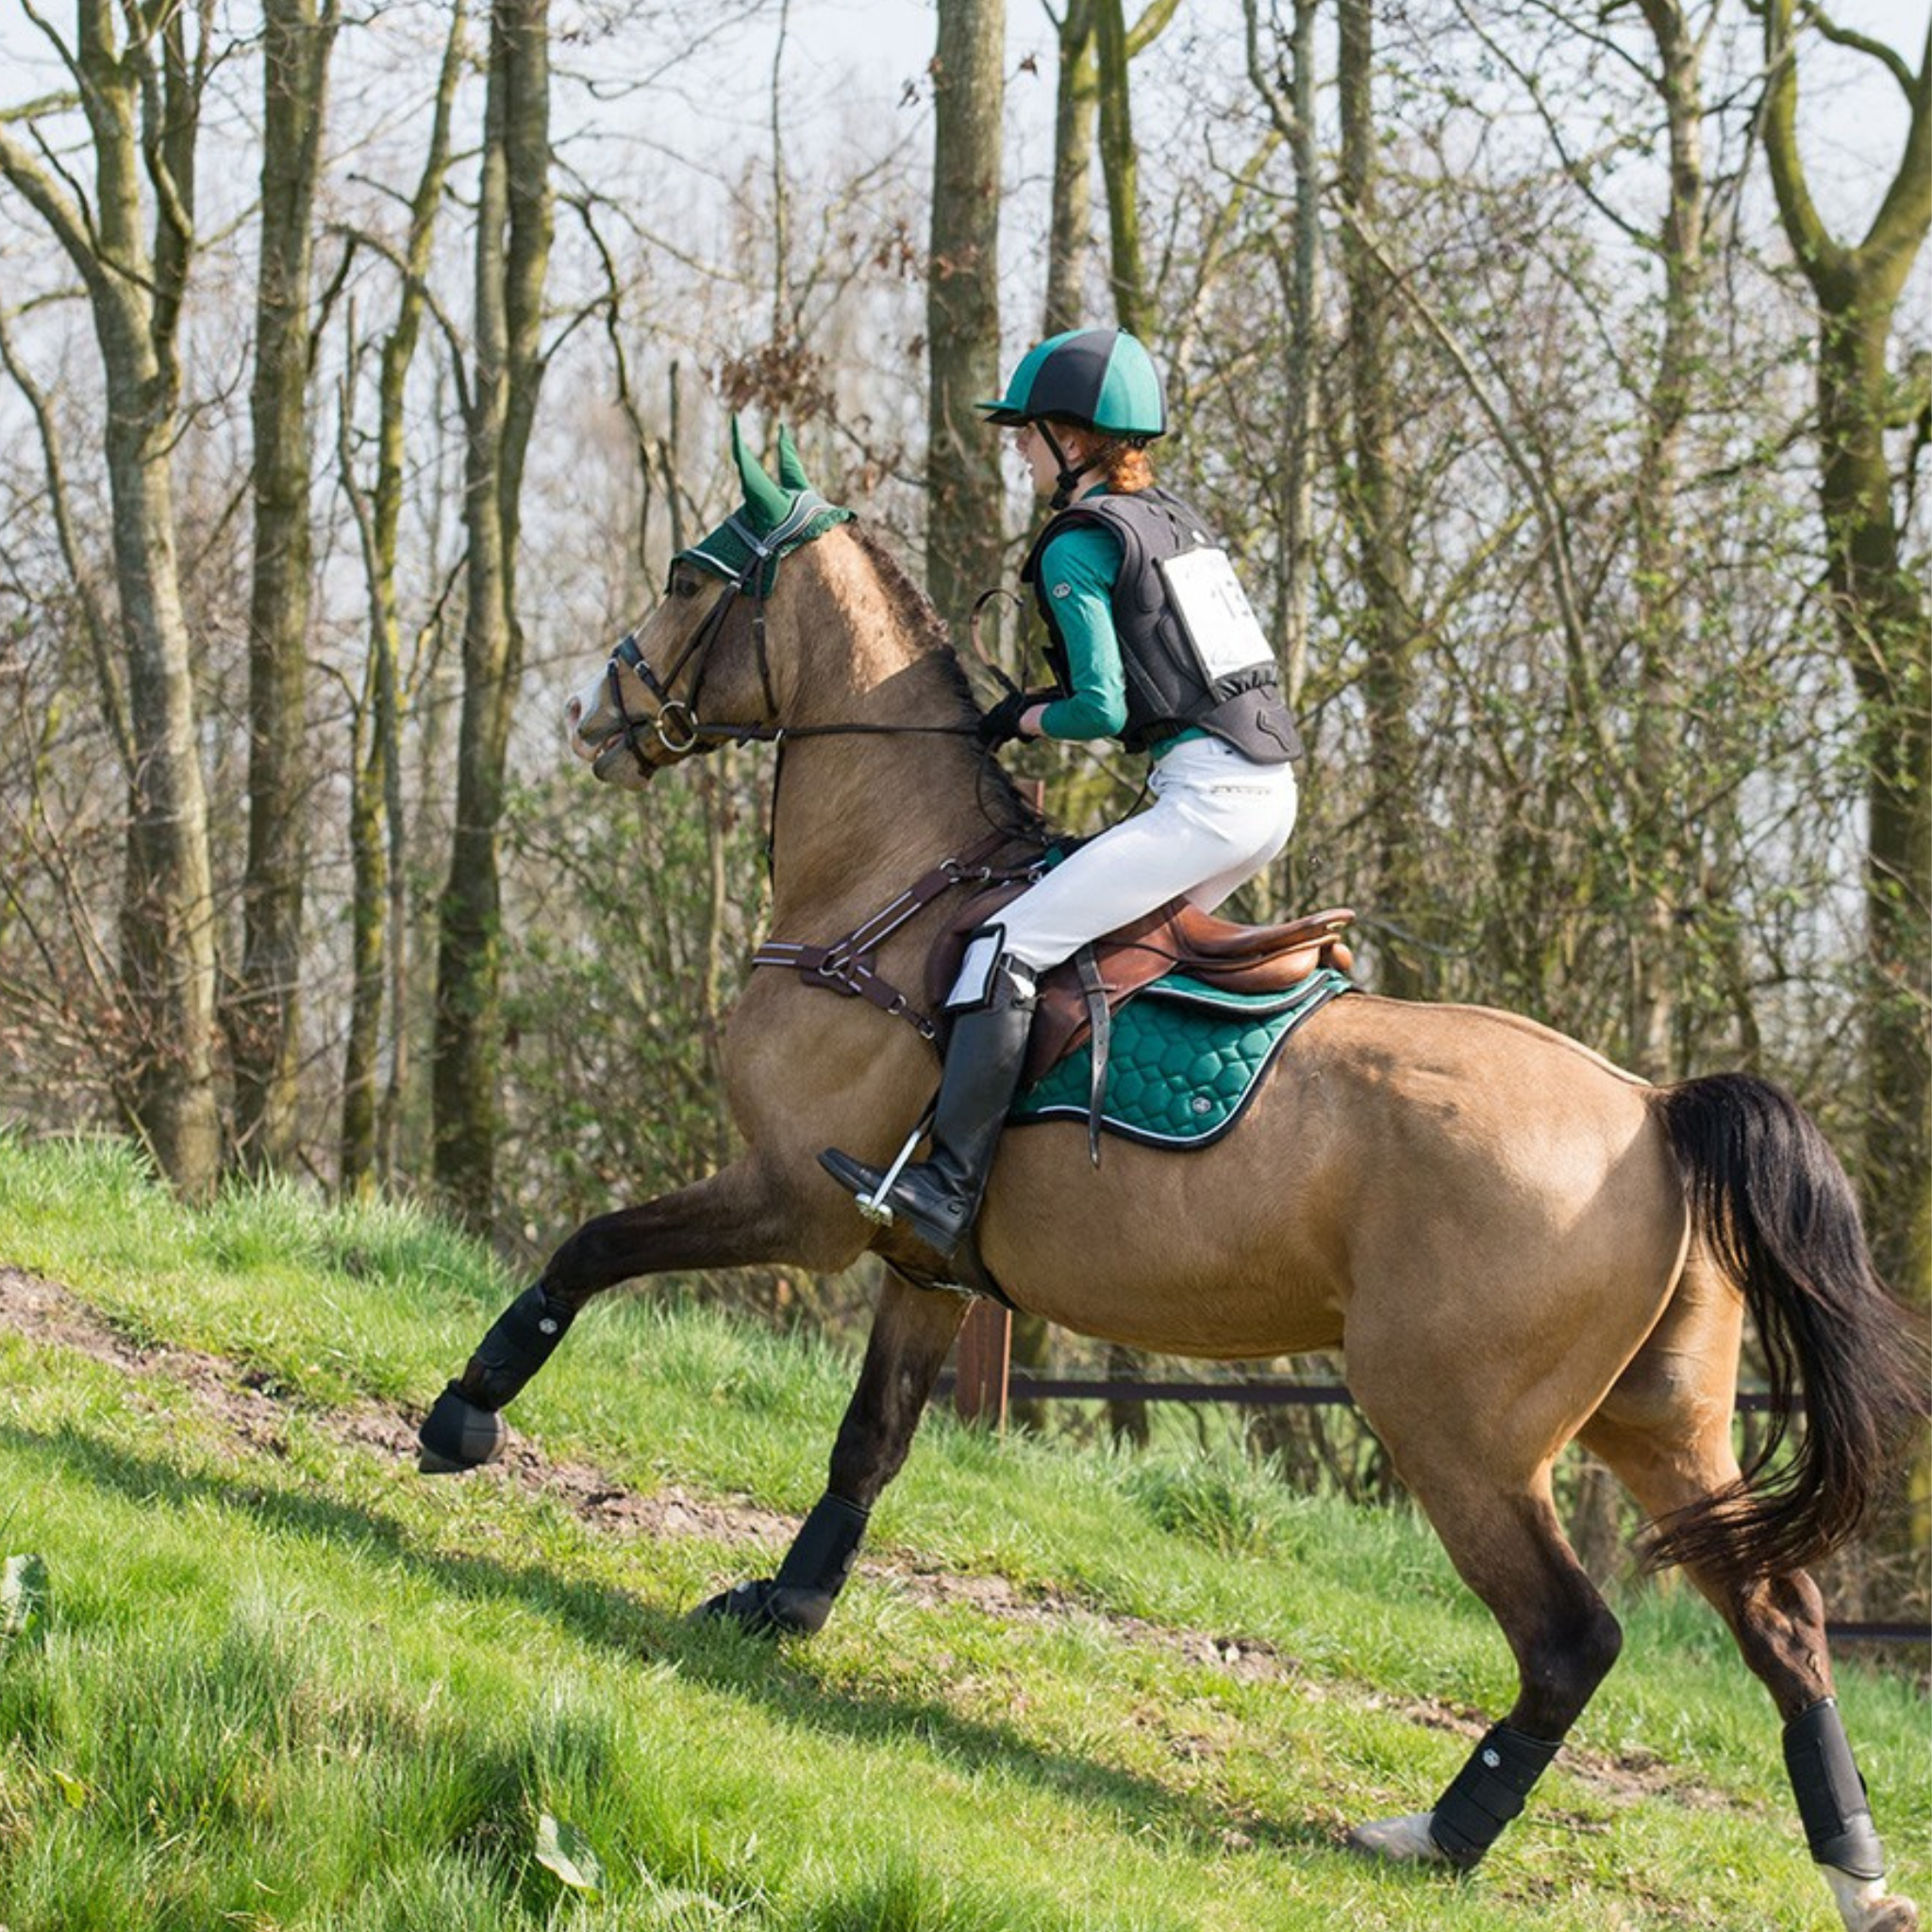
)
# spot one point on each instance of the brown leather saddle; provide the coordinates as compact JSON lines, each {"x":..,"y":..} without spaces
{"x":1174,"y":938}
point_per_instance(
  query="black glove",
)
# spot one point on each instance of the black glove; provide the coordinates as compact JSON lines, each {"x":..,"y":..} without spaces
{"x":1002,"y":723}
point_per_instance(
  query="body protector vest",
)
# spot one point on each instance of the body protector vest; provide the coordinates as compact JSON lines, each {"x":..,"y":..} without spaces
{"x":1192,"y":652}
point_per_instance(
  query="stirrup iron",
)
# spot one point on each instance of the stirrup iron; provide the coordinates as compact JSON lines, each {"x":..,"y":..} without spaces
{"x":875,"y":1207}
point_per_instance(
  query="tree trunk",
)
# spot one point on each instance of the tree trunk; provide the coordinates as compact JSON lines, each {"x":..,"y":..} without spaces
{"x":378,"y":902}
{"x":142,"y":102}
{"x":964,"y":521}
{"x":1658,"y":846}
{"x":1881,"y":607}
{"x":1377,"y":510}
{"x":512,"y":255}
{"x":1120,"y":167}
{"x":1070,"y":235}
{"x":263,"y":1017}
{"x":1298,"y":532}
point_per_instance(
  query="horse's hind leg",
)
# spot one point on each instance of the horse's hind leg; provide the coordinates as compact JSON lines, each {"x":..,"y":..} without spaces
{"x":1671,"y":1446}
{"x":912,"y":1332}
{"x":1506,"y":1544}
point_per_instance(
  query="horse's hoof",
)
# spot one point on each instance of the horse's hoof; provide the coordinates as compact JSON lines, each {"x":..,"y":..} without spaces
{"x":1894,"y":1915}
{"x":456,"y":1435}
{"x":1404,"y":1839}
{"x":766,"y":1609}
{"x":1865,"y":1906}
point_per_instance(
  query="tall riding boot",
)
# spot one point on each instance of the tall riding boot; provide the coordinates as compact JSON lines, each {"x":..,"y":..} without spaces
{"x":939,"y":1196}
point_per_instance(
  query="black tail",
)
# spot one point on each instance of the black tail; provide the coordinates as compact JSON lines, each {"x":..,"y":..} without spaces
{"x":1770,"y":1200}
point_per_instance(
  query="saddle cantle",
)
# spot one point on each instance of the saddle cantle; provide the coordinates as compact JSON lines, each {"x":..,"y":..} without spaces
{"x":1174,"y":938}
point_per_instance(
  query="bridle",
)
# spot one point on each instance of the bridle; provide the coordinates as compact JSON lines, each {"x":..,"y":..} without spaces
{"x":676,"y":723}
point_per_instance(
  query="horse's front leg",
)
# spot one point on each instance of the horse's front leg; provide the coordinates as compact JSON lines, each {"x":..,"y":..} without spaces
{"x":912,"y":1332}
{"x":736,"y":1218}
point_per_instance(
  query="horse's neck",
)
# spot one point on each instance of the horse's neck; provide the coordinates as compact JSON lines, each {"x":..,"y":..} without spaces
{"x":859,"y":819}
{"x":861,"y":816}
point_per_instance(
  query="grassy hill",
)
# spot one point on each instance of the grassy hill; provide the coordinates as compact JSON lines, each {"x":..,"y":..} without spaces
{"x":256,"y":1672}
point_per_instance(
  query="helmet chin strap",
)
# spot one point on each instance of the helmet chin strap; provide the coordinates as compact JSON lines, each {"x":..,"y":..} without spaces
{"x":1069,"y":478}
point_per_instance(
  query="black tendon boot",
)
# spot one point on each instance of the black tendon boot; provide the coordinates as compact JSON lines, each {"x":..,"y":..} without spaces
{"x":939,"y":1196}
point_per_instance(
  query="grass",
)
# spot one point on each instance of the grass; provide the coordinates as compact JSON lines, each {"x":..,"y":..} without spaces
{"x":271,"y":1678}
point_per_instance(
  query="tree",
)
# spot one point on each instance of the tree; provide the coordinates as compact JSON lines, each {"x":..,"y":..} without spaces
{"x":1656,"y":792}
{"x":1659,"y":849}
{"x":512,"y":253}
{"x":1880,"y":608}
{"x":141,"y":79}
{"x":263,"y":1016}
{"x":1376,"y":504}
{"x":1069,"y":233}
{"x":1121,"y":169}
{"x":964,"y":539}
{"x":379,"y":909}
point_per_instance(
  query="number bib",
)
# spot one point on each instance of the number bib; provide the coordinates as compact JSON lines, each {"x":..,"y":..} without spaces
{"x":1214,"y":609}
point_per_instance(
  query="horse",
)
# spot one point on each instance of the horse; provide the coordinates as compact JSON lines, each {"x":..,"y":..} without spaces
{"x":1515,"y":1245}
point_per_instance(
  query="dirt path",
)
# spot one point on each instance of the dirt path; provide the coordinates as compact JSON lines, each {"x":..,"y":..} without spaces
{"x":255,"y":1410}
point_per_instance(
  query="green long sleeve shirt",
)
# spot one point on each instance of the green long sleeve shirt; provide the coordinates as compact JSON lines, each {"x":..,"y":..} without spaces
{"x":1077,"y":571}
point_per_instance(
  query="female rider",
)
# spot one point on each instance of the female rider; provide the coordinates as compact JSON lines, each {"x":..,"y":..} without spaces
{"x":1152,"y":643}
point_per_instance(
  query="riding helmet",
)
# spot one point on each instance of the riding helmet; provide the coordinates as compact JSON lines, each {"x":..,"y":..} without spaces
{"x":1101,"y":378}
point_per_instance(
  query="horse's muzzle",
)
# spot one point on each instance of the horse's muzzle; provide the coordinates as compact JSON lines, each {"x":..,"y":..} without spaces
{"x":600,"y":741}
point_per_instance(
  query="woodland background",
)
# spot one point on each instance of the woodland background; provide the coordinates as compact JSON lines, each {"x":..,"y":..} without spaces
{"x":1560,"y":373}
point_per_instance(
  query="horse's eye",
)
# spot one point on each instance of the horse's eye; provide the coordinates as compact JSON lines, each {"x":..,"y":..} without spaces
{"x":684,"y":583}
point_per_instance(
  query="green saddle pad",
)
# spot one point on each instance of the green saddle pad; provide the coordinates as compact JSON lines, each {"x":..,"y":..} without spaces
{"x":1186,"y":1061}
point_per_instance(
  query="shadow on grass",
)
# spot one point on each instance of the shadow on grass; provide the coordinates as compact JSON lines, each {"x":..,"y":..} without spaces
{"x":717,"y":1657}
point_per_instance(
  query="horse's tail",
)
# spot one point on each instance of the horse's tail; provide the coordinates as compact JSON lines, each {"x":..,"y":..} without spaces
{"x":1770,"y":1201}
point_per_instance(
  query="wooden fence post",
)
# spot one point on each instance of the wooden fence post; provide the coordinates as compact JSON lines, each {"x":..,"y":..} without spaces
{"x":981,"y":1364}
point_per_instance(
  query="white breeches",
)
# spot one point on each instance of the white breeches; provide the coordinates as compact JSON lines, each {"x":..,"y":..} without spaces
{"x":1216,"y":819}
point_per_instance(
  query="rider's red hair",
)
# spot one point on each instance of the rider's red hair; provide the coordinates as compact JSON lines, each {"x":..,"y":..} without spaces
{"x":1129,"y":468}
{"x":1125,"y":466}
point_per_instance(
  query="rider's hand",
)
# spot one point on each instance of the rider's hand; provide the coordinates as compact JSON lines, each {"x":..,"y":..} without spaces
{"x":1002,"y":723}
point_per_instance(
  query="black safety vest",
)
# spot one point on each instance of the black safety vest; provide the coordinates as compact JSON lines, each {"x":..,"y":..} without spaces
{"x":1169,"y":689}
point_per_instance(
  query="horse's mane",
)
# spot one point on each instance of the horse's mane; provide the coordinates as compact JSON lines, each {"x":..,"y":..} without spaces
{"x":913,"y":612}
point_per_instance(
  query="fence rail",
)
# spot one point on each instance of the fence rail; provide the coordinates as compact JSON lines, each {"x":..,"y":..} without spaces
{"x":1271,"y":1393}
{"x":982,"y":1384}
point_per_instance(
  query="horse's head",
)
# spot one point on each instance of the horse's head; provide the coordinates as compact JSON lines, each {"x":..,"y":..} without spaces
{"x":697,"y":672}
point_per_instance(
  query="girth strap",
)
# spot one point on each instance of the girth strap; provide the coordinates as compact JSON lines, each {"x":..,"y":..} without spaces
{"x":1100,"y":1031}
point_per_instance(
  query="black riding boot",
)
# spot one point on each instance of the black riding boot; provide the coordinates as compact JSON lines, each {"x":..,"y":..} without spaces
{"x":940,"y":1194}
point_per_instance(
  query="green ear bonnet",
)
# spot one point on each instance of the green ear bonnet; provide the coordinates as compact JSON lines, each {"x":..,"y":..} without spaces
{"x":777,"y":517}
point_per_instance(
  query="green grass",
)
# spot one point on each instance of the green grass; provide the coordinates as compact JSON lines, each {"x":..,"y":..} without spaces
{"x":278,"y":1680}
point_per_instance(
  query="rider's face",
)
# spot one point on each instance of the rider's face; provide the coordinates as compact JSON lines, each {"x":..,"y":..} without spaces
{"x":1040,"y":464}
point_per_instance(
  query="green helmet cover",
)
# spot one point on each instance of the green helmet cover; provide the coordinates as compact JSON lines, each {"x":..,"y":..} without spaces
{"x":1101,"y":377}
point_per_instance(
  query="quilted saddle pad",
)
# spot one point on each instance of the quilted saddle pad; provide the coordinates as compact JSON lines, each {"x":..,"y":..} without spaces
{"x":1186,"y":1061}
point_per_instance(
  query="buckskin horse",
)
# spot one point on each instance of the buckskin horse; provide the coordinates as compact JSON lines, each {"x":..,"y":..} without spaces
{"x":1516,"y":1244}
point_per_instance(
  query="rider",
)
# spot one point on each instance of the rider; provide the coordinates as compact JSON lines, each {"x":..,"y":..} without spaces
{"x":1152,"y":643}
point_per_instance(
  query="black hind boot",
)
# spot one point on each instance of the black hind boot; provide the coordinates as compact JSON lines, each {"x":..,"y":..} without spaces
{"x":939,"y":1195}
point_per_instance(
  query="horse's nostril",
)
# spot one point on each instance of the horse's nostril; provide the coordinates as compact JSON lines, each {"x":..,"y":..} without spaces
{"x":573,"y":715}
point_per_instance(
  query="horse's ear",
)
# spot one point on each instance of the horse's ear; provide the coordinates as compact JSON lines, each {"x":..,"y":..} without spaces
{"x":791,"y":471}
{"x":763,"y":498}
